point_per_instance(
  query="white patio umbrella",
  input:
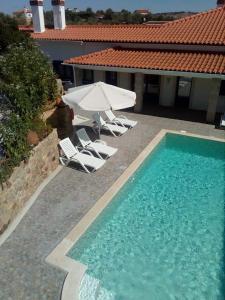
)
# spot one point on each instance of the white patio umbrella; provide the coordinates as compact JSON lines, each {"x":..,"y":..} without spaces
{"x":99,"y":97}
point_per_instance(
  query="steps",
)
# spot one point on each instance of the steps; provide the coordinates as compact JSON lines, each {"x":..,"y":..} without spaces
{"x":91,"y":289}
{"x":103,"y":294}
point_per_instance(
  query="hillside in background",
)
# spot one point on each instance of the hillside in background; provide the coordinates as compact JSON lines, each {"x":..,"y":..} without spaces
{"x":108,"y":16}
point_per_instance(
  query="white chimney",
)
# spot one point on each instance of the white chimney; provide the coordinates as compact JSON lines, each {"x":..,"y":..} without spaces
{"x":38,"y":15}
{"x":59,"y":14}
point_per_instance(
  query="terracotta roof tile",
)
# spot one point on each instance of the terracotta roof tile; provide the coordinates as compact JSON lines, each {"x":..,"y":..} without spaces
{"x":155,"y":60}
{"x":203,"y":28}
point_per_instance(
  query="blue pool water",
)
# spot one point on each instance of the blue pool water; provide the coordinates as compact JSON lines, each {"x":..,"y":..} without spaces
{"x":162,"y":237}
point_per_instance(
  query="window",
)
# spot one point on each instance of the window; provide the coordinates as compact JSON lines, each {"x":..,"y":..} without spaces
{"x":184,"y":87}
{"x":111,"y":78}
{"x":88,"y":76}
{"x":222,"y":88}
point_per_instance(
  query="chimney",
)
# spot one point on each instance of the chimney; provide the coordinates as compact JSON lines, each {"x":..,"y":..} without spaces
{"x":38,"y":15}
{"x":220,"y":3}
{"x":59,"y":14}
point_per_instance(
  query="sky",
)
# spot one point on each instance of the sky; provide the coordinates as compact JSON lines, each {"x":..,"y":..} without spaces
{"x":8,"y":6}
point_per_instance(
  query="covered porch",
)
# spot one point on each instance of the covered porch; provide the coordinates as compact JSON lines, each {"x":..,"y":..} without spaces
{"x":178,"y":83}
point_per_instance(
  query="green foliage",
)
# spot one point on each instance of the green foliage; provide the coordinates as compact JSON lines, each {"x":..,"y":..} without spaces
{"x":9,"y":33}
{"x":27,"y":79}
{"x":40,"y":127}
{"x":107,"y":17}
{"x":14,"y":134}
{"x":27,"y":82}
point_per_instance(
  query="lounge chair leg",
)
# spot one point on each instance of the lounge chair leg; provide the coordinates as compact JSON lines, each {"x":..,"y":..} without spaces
{"x":85,"y":168}
{"x":62,"y":162}
{"x":99,"y":156}
{"x":113,"y":133}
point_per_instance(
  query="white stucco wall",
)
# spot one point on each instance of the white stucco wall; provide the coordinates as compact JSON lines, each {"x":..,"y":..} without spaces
{"x":139,"y":90}
{"x":99,"y":76}
{"x":200,"y":91}
{"x":168,"y":86}
{"x":124,"y":80}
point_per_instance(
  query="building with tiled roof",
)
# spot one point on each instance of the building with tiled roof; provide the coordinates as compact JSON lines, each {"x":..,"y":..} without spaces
{"x":179,"y":63}
{"x":142,"y":11}
{"x":24,"y":13}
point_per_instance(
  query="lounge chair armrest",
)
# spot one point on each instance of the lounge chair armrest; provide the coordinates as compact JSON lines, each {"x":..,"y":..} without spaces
{"x":117,"y":122}
{"x":100,"y":142}
{"x":111,"y":122}
{"x":80,"y":148}
{"x":123,"y":117}
{"x":86,"y":152}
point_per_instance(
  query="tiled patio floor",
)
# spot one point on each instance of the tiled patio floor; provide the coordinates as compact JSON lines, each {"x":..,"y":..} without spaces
{"x":24,"y":274}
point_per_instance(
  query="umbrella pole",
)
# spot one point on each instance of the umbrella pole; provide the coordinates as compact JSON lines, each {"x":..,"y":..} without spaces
{"x":99,"y":130}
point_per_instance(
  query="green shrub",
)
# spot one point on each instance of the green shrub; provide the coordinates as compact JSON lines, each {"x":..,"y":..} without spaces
{"x":40,"y":127}
{"x":28,"y":83}
{"x":14,"y":142}
{"x":27,"y":79}
{"x":9,"y":33}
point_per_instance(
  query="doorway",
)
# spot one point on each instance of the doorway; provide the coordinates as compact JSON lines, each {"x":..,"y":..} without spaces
{"x":151,"y":89}
{"x":183,"y":92}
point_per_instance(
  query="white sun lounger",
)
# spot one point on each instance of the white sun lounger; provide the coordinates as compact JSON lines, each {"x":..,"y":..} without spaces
{"x":98,"y":146}
{"x":115,"y":129}
{"x":84,"y":158}
{"x":120,"y":120}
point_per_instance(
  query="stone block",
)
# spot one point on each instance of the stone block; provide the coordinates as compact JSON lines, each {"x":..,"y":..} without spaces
{"x":26,"y":178}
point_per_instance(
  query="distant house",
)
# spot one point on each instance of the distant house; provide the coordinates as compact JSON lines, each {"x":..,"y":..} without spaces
{"x":174,"y":15}
{"x":143,"y":12}
{"x":74,"y":10}
{"x":25,"y":13}
{"x":177,"y":64}
{"x":100,"y":16}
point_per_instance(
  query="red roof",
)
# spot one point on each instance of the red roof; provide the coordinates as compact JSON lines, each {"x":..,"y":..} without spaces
{"x":25,"y":28}
{"x":156,"y":60}
{"x":207,"y":28}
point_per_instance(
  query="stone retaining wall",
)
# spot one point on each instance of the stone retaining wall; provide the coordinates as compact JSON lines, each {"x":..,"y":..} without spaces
{"x":26,"y":178}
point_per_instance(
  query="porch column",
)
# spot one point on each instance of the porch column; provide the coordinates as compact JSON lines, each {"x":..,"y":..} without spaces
{"x":124,"y":80}
{"x":213,"y":100}
{"x":139,"y":90}
{"x":200,"y":90}
{"x":99,"y":76}
{"x":168,"y":86}
{"x":77,"y":73}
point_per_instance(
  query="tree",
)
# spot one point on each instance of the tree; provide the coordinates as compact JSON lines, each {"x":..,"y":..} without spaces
{"x":137,"y":18}
{"x":108,"y":14}
{"x":9,"y":32}
{"x":90,"y":12}
{"x":27,"y":79}
{"x":27,"y":82}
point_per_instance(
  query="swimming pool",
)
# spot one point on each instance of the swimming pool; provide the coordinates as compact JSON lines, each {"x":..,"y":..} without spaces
{"x":162,"y":236}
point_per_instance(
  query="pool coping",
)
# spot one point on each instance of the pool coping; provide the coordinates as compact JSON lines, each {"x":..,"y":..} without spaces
{"x":76,"y":270}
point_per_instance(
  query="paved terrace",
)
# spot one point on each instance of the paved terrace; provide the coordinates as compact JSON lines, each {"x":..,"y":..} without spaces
{"x":24,"y":274}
